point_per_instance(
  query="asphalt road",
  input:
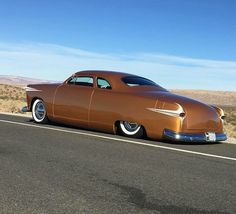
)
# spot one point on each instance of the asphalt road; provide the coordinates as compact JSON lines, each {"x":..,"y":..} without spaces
{"x":58,"y":169}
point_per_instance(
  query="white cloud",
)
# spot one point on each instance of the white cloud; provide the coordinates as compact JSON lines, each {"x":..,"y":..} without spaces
{"x":55,"y":62}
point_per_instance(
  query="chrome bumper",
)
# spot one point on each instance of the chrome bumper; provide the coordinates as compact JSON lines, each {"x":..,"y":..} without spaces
{"x":185,"y":137}
{"x":25,"y":109}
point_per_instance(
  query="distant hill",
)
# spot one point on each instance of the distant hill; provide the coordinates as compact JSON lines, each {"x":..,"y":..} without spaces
{"x":19,"y":81}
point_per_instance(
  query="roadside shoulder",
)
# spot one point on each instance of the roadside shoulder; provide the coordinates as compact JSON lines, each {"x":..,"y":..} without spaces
{"x":231,"y":140}
{"x":16,"y":114}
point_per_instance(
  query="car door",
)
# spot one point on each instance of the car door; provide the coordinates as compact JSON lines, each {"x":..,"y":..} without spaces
{"x":72,"y":100}
{"x":102,"y":109}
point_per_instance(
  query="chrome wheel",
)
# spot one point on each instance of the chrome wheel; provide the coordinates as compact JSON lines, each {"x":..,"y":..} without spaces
{"x":39,"y":111}
{"x":131,"y":129}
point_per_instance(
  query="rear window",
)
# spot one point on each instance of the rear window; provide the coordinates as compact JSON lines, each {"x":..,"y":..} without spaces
{"x":103,"y":84}
{"x":137,"y":81}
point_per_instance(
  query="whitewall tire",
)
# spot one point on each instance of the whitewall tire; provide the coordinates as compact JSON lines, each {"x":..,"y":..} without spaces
{"x":39,"y":112}
{"x":130,"y":129}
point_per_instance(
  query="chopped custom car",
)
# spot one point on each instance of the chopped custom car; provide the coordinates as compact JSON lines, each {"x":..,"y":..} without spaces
{"x":126,"y":104}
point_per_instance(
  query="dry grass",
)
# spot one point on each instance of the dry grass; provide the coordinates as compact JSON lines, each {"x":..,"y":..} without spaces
{"x":230,"y":122}
{"x":12,"y":98}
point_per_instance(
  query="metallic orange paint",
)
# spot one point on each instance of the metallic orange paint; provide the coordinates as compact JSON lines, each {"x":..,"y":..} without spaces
{"x":152,"y":107}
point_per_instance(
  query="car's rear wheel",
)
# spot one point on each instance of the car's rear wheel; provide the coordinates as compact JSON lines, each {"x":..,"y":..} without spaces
{"x":39,"y":112}
{"x":131,"y":129}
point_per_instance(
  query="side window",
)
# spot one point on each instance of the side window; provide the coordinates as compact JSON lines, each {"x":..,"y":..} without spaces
{"x":83,"y":81}
{"x":102,"y":83}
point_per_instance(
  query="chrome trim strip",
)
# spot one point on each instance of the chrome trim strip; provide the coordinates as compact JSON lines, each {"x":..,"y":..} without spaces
{"x":185,"y":137}
{"x":173,"y":113}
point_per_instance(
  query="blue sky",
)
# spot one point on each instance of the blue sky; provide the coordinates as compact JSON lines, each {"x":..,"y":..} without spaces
{"x":178,"y":44}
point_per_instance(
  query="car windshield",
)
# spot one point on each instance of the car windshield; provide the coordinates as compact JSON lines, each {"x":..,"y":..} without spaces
{"x":137,"y":81}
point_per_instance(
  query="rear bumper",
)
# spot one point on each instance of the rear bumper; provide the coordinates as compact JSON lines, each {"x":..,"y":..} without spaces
{"x":25,"y":109}
{"x":199,"y":137}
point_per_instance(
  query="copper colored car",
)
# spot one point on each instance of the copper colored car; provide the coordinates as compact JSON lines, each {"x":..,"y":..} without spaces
{"x":127,"y":104}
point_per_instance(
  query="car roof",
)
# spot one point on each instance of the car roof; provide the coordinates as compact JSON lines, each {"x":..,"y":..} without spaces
{"x":112,"y":76}
{"x":103,"y":73}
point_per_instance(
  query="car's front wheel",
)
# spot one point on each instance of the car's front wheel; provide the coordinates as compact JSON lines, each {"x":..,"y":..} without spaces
{"x":39,"y":112}
{"x":131,"y":129}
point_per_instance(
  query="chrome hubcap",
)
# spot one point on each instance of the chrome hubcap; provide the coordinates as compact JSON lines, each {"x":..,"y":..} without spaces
{"x":131,"y":126}
{"x":40,"y":111}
